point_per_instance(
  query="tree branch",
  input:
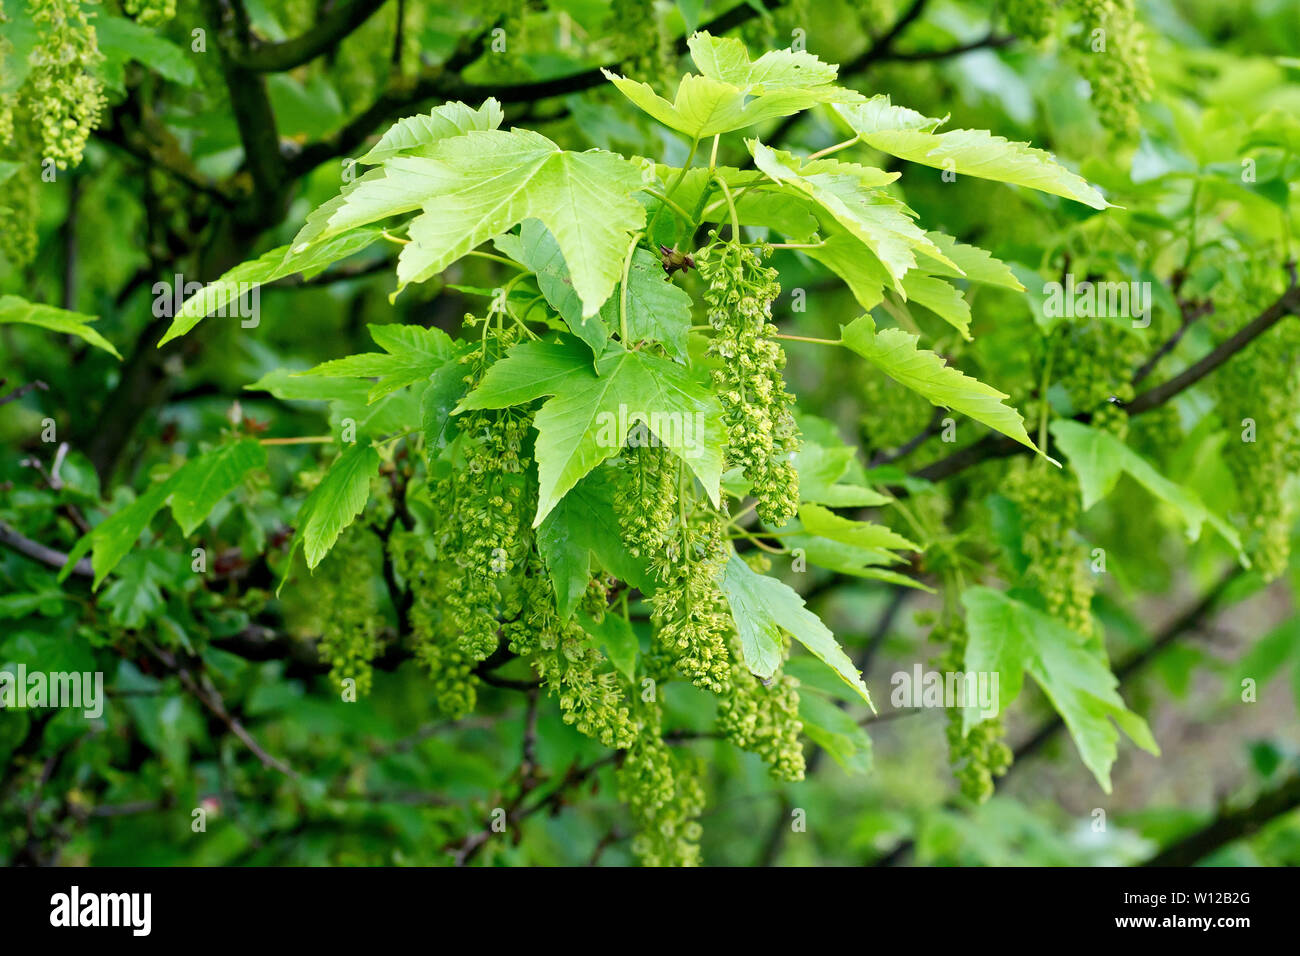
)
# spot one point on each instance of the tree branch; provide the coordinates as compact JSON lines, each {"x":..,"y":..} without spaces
{"x":22,"y":390}
{"x":442,"y":83}
{"x":1288,"y":303}
{"x":254,"y":118}
{"x":1231,"y":825}
{"x":340,"y":21}
{"x":995,"y":445}
{"x":39,"y":552}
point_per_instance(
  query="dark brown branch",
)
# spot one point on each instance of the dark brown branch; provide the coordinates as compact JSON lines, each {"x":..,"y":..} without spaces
{"x":335,"y":26}
{"x":254,"y":118}
{"x":1230,"y":825}
{"x":39,"y":552}
{"x":206,"y":694}
{"x":989,"y":42}
{"x":933,"y":428}
{"x":1191,"y":311}
{"x":994,"y":445}
{"x":115,"y":134}
{"x":1288,"y":303}
{"x":443,"y":83}
{"x":22,"y":390}
{"x":883,"y":47}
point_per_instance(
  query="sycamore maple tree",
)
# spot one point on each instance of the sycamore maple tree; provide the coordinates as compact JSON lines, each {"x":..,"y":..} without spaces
{"x":611,"y":480}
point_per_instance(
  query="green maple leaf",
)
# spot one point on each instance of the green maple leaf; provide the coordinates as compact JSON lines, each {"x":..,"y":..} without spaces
{"x":588,"y":419}
{"x":580,"y":535}
{"x":481,"y":184}
{"x":851,"y":194}
{"x":896,"y":354}
{"x":536,"y":249}
{"x":1099,"y":458}
{"x":200,"y":484}
{"x":411,"y":354}
{"x":731,"y":92}
{"x":283,"y":261}
{"x":657,"y":310}
{"x":21,"y":312}
{"x":417,"y":135}
{"x":333,"y":505}
{"x":1009,"y":638}
{"x":909,"y":135}
{"x":763,"y":607}
{"x":193,"y":491}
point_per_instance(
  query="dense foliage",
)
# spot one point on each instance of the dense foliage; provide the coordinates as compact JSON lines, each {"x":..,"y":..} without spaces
{"x":543,"y":433}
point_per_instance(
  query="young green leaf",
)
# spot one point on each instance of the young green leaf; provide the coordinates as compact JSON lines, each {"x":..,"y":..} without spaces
{"x":536,"y":249}
{"x":193,"y":491}
{"x":112,"y":540}
{"x":582,"y":534}
{"x":124,"y":41}
{"x":909,"y":135}
{"x":830,"y":728}
{"x":852,"y":195}
{"x":411,"y":354}
{"x":225,"y":293}
{"x":614,"y":636}
{"x":734,"y":92}
{"x":19,"y":311}
{"x":763,"y":607}
{"x":481,"y":184}
{"x":417,"y":135}
{"x":333,"y":505}
{"x":202,"y":482}
{"x":657,"y":310}
{"x":1009,"y":638}
{"x":859,"y":534}
{"x":941,"y":298}
{"x":896,"y":354}
{"x":973,"y":264}
{"x":1099,"y":458}
{"x":588,"y":419}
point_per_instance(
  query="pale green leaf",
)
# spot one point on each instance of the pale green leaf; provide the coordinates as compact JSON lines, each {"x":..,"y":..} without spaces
{"x":588,"y":419}
{"x":411,"y":354}
{"x":19,"y":311}
{"x":1009,"y":638}
{"x":761,"y":604}
{"x":853,"y":261}
{"x":614,"y":636}
{"x":734,"y":92}
{"x":760,"y":636}
{"x":896,"y":354}
{"x":1099,"y":458}
{"x":657,"y":310}
{"x":941,"y":298}
{"x":832,"y":729}
{"x":223,"y":296}
{"x":416,"y":135}
{"x":851,"y":194}
{"x":908,"y":135}
{"x":819,"y":521}
{"x":333,"y":504}
{"x":536,"y":249}
{"x":205,"y":480}
{"x":481,"y":184}
{"x":972,"y":263}
{"x":580,"y":537}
